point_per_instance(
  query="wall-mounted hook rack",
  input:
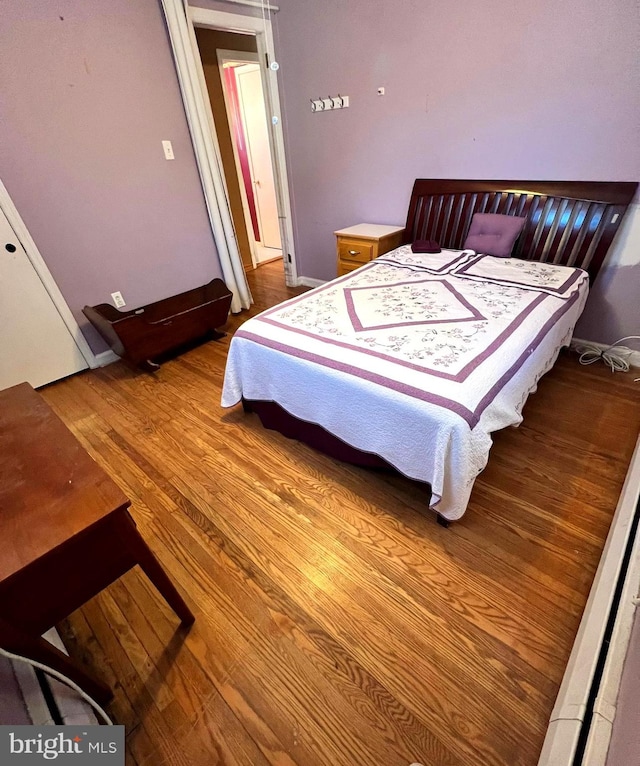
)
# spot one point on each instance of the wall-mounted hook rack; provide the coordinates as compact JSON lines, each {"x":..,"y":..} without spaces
{"x":329,"y":103}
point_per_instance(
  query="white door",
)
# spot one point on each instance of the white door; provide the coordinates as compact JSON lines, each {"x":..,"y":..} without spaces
{"x":35,"y":344}
{"x":256,"y":130}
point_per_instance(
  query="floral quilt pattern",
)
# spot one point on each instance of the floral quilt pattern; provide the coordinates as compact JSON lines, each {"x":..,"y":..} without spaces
{"x":415,"y":357}
{"x":410,"y":315}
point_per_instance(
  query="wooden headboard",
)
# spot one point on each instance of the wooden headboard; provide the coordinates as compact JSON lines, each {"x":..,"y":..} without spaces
{"x":569,"y":222}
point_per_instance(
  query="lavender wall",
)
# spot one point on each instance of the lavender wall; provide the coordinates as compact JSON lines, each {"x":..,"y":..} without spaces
{"x":472,"y":90}
{"x":88,"y":91}
{"x":226,"y":7}
{"x":491,"y":89}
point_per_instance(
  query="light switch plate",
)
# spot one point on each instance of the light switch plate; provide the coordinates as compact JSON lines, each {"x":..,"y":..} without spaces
{"x":168,"y":150}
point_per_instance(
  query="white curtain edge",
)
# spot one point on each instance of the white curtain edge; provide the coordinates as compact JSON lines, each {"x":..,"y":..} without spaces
{"x":207,"y":156}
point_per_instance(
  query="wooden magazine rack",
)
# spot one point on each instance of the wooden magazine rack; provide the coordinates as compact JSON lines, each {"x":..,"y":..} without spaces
{"x":144,"y":334}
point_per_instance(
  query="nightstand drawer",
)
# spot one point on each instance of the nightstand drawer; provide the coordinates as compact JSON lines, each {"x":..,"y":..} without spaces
{"x":360,"y":244}
{"x":355,"y":250}
{"x":344,"y":267}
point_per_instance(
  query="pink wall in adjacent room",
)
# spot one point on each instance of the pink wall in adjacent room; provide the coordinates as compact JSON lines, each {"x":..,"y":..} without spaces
{"x":88,"y":91}
{"x":491,"y":89}
{"x":240,"y":141}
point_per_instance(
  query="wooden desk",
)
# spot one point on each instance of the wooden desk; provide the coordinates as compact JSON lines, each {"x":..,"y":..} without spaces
{"x":65,"y":533}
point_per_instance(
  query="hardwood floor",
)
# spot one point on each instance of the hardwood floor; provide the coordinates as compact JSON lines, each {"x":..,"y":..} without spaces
{"x":336,"y":622}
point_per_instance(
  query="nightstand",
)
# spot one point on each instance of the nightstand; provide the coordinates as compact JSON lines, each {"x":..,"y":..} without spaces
{"x":359,"y":244}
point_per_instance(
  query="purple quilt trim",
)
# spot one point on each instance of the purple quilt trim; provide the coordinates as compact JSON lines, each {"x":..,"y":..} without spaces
{"x":462,"y":272}
{"x":346,"y":278}
{"x":417,"y":267}
{"x":359,"y":327}
{"x":471,"y":418}
{"x":458,"y":378}
{"x":491,"y":394}
{"x":372,"y":377}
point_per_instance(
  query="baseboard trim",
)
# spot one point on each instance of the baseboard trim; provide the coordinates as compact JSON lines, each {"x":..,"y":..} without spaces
{"x":568,"y":715}
{"x":105,"y":358}
{"x":310,"y":282}
{"x":634,"y":356}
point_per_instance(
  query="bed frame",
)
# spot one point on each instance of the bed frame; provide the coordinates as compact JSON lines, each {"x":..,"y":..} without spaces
{"x":567,"y":222}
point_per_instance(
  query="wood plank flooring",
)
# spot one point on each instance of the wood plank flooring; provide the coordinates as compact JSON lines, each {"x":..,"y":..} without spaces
{"x":336,"y":622}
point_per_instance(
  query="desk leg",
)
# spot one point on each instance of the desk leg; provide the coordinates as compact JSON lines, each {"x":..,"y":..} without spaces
{"x":154,"y":571}
{"x":40,"y":650}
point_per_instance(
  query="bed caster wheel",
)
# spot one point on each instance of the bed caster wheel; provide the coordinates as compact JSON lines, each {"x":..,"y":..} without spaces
{"x":149,"y":366}
{"x":442,"y":521}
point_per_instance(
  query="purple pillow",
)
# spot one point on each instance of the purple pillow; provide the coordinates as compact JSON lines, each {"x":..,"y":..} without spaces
{"x":493,"y":234}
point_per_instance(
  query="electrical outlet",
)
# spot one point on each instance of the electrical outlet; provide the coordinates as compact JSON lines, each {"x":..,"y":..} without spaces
{"x":118,"y":300}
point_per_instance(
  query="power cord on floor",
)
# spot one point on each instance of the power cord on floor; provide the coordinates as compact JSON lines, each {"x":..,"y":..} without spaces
{"x":59,"y":677}
{"x":614,"y":356}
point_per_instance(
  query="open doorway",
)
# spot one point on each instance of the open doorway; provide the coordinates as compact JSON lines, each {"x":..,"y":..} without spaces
{"x":244,"y":99}
{"x":234,"y":85}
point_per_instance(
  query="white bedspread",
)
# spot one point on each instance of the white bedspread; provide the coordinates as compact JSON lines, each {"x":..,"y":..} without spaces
{"x":415,"y":357}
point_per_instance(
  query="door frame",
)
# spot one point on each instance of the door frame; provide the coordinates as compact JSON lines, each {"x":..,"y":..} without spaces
{"x":250,"y":58}
{"x":199,"y":115}
{"x":37,"y":261}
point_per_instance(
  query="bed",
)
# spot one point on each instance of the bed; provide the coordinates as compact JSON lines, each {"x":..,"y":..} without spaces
{"x":413,"y":360}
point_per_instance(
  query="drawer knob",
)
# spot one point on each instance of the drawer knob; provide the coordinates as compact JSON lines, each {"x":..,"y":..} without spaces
{"x":354,"y":252}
